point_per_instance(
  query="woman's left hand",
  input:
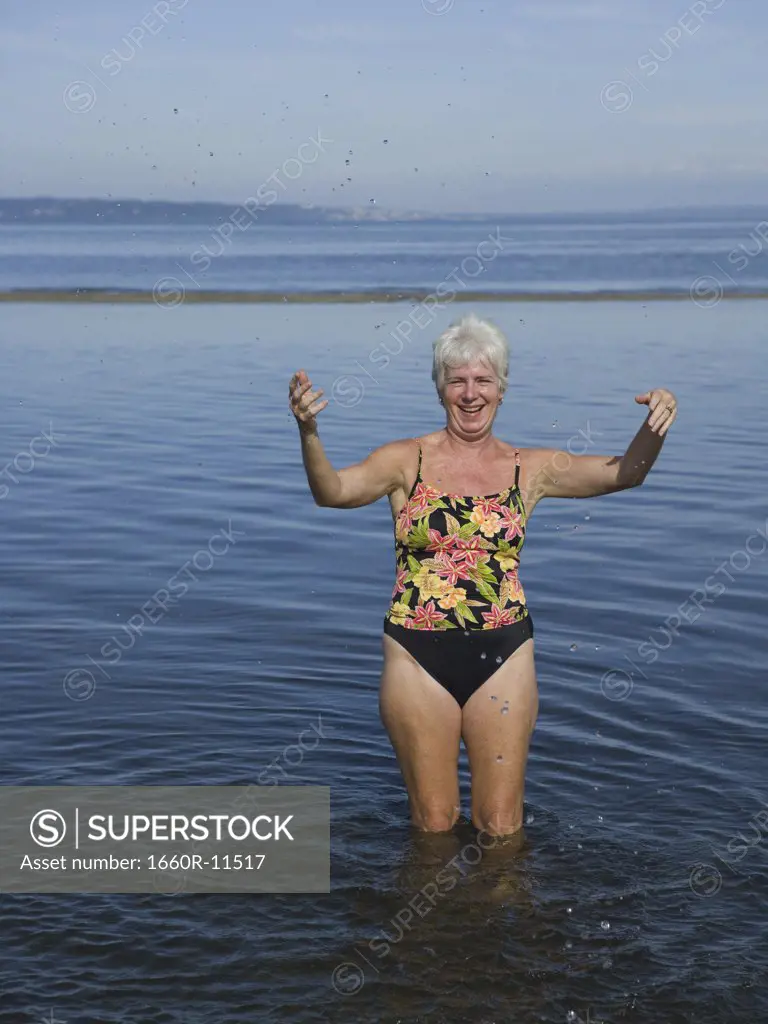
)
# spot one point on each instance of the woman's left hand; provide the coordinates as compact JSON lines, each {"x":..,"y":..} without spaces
{"x":663,"y":409}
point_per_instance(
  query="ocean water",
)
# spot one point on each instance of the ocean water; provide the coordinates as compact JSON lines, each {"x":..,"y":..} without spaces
{"x":707,"y":252}
{"x":640,"y":890}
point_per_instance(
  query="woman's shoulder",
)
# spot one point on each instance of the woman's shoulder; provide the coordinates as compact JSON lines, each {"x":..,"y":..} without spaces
{"x":531,"y":459}
{"x":403,"y":446}
{"x":529,"y":454}
{"x":407,"y":445}
{"x":397,"y":457}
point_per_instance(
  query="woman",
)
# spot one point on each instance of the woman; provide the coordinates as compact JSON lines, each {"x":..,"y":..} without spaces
{"x":458,"y":643}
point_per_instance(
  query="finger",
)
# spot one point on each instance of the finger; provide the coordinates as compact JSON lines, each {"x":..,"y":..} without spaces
{"x":301,"y":390}
{"x":298,"y":402}
{"x":656,"y":409}
{"x":310,"y":398}
{"x":662,"y":419}
{"x":643,"y":399}
{"x":669,"y":422}
{"x":317,"y":407}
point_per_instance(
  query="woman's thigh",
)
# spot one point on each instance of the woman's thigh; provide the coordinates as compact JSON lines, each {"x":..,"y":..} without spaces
{"x":424,"y":725}
{"x":497,"y":723}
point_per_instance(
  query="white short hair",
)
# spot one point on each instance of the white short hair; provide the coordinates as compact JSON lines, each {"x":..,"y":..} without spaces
{"x":467,"y":341}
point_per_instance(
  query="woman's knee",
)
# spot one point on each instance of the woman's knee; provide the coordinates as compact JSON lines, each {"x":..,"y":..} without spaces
{"x":498,"y":819}
{"x":434,"y":817}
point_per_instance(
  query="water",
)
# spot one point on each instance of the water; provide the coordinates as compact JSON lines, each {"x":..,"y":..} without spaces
{"x":712,"y":251}
{"x":172,"y":425}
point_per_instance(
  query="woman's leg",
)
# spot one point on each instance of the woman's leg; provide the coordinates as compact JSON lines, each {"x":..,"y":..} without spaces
{"x":424,"y":724}
{"x":497,"y":723}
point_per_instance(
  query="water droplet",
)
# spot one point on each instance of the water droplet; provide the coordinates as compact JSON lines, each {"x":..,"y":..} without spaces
{"x":466,"y":632}
{"x":494,"y":697}
{"x":483,"y":655}
{"x":586,"y":517}
{"x":372,"y":201}
{"x":499,"y":660}
{"x":605,"y":925}
{"x":607,"y":964}
{"x":599,"y":817}
{"x":578,"y":846}
{"x":573,"y":647}
{"x":569,"y":910}
{"x":499,"y":758}
{"x":554,"y":424}
{"x":385,"y":141}
{"x":529,"y":819}
{"x":505,"y":710}
{"x":569,"y":945}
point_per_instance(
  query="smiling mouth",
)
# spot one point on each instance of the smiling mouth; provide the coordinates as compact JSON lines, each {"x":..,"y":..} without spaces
{"x":471,"y":410}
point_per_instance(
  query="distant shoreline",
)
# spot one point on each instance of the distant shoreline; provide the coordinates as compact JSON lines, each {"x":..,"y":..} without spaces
{"x":179,"y":297}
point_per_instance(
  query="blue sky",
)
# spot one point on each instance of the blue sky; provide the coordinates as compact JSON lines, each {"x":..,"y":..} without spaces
{"x":485,"y":104}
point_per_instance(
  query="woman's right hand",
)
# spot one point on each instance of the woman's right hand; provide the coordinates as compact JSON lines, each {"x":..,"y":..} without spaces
{"x":304,"y":402}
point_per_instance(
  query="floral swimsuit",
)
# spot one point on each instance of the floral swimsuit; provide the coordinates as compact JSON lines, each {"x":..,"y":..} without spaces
{"x":457,"y":560}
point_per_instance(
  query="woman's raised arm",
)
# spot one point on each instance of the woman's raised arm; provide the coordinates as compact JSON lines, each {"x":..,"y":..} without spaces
{"x":559,"y":474}
{"x":362,"y":484}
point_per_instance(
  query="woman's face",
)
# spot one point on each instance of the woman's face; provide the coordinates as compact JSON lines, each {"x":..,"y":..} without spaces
{"x":471,"y":397}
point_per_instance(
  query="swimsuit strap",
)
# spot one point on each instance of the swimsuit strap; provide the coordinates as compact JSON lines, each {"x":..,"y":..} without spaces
{"x":517,"y":467}
{"x":418,"y":473}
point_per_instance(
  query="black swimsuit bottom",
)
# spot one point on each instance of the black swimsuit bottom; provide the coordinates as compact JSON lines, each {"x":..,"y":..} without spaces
{"x":458,"y":606}
{"x":462,"y":661}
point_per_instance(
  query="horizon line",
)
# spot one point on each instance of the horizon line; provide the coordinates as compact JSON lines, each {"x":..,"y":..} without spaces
{"x":389,"y":210}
